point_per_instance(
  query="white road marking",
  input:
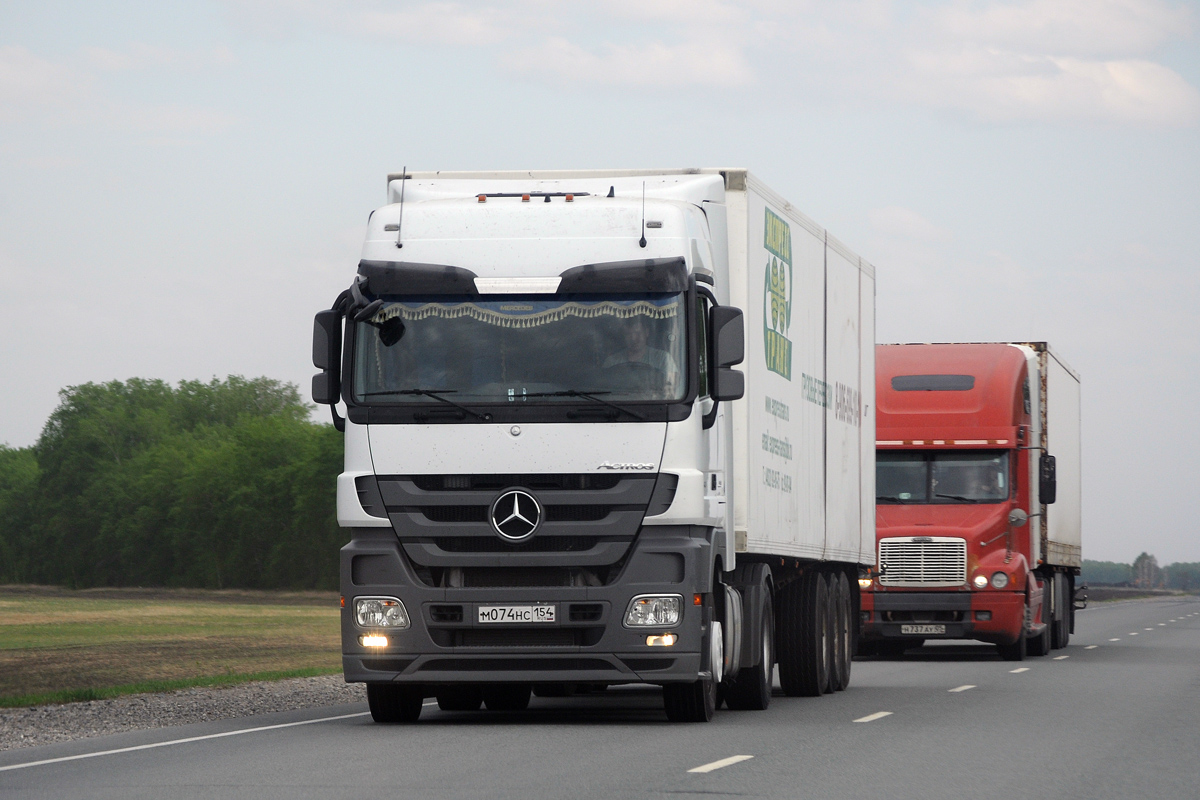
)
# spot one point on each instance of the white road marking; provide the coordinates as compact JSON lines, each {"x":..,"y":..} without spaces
{"x":1163,"y":624}
{"x":1060,"y":658}
{"x":1133,"y":633}
{"x":875,"y":716}
{"x":1093,"y":646}
{"x":1116,"y":639}
{"x":1019,"y":669}
{"x":724,"y":762}
{"x":1147,"y":629}
{"x":962,"y":688}
{"x":181,"y":741}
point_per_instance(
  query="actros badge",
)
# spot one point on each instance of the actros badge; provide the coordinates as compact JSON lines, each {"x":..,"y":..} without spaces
{"x":516,"y":515}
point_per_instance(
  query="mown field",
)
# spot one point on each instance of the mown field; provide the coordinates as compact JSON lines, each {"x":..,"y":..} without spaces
{"x":59,"y":645}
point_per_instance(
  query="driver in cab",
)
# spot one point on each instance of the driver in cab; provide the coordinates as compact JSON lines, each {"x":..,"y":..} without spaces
{"x":636,"y":336}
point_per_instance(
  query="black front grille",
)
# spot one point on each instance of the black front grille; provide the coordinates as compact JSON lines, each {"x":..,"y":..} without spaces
{"x":446,"y":613}
{"x":455,"y":513}
{"x":494,"y":544}
{"x":922,"y":616}
{"x":586,"y":612}
{"x":576,"y":513}
{"x":501,"y":577}
{"x":442,"y":483}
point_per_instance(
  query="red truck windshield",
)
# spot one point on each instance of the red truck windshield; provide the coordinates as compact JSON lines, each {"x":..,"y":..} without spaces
{"x":941,"y":476}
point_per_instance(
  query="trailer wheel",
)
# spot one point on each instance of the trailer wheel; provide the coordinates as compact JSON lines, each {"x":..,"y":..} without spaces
{"x":507,"y":696}
{"x":751,"y":690}
{"x":843,"y":640}
{"x":391,"y":702}
{"x":460,"y":698}
{"x":802,"y":636}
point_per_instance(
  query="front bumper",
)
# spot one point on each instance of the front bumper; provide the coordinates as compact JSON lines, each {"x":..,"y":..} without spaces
{"x":446,"y":644}
{"x":997,"y":617}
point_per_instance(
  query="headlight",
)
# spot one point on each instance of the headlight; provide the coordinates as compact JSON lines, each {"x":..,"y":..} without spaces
{"x":999,"y":580}
{"x":653,"y":611}
{"x":980,"y":581}
{"x":380,"y":612}
{"x":864,"y":583}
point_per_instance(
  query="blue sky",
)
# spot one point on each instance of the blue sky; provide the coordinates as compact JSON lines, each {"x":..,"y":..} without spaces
{"x":184,"y":185}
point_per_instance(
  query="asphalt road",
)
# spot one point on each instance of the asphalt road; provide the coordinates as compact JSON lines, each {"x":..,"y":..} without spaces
{"x":1112,"y":716}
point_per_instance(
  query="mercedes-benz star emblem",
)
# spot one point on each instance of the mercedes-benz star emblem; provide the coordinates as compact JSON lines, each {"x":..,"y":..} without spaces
{"x":516,"y":515}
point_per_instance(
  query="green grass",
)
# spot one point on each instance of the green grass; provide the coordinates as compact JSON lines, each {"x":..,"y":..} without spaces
{"x":104,"y":693}
{"x":62,"y":646}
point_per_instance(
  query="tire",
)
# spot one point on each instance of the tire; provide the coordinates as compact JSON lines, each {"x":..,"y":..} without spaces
{"x":507,"y":696}
{"x":751,"y":690}
{"x":843,"y":642}
{"x":697,"y":701}
{"x":1061,"y":632}
{"x":391,"y":702}
{"x":460,"y":698}
{"x":801,"y":636}
{"x":1015,"y":651}
{"x":831,"y":628}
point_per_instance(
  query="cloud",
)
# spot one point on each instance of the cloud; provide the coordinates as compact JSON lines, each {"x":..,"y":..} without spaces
{"x":991,"y":61}
{"x":651,"y":65}
{"x":907,"y":224}
{"x":144,"y":56}
{"x":73,"y":92}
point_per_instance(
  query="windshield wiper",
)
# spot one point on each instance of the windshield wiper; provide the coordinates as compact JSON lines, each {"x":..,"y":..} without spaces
{"x":891,"y":498}
{"x":586,"y":396}
{"x":436,"y":394}
{"x":958,"y":497}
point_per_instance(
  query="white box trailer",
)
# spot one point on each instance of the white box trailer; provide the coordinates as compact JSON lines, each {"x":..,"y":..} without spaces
{"x":578,"y":517}
{"x":1059,"y":421}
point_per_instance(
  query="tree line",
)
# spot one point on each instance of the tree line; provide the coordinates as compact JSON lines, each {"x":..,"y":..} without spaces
{"x":1143,"y":573}
{"x":225,"y":484}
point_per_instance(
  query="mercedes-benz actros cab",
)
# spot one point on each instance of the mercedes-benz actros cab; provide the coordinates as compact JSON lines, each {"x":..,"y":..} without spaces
{"x":555,"y":478}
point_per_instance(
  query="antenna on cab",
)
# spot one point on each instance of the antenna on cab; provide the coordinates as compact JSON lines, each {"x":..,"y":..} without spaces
{"x":400,"y":222}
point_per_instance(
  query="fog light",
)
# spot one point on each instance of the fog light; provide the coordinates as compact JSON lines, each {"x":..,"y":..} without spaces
{"x":380,"y":612}
{"x":980,"y":581}
{"x":653,"y":611}
{"x":999,"y":580}
{"x":864,"y":583}
{"x":983,"y":616}
{"x":662,"y":640}
{"x":373,"y":640}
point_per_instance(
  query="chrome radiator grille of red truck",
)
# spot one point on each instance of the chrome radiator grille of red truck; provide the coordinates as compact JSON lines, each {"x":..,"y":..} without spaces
{"x":924,"y":561}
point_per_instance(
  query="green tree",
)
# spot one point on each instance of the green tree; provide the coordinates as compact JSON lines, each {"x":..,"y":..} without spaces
{"x":1106,"y":573}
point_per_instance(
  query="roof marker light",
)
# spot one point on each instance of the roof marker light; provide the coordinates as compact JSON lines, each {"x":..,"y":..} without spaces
{"x":524,"y":198}
{"x":570,"y":198}
{"x":483,"y":198}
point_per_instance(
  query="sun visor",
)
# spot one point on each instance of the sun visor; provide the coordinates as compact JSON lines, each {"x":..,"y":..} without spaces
{"x":626,"y":277}
{"x":407,"y":278}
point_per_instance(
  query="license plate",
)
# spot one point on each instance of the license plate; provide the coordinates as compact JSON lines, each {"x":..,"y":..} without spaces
{"x":537,"y":613}
{"x":919,"y":630}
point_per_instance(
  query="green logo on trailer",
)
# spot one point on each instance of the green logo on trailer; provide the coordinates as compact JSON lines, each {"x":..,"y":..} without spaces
{"x":777,"y":295}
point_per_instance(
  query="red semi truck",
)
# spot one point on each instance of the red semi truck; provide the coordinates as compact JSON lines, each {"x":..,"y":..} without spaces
{"x":977,"y":498}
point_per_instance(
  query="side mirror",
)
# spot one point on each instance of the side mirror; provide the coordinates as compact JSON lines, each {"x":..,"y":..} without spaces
{"x":728,"y":335}
{"x":728,"y":384}
{"x":1047,"y":480}
{"x":1017,"y":518}
{"x":327,"y":356}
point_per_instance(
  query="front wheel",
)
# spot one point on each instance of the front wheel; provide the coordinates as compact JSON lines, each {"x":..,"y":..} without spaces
{"x":1015,"y":651}
{"x":751,"y":690}
{"x":697,"y":701}
{"x":390,"y":702}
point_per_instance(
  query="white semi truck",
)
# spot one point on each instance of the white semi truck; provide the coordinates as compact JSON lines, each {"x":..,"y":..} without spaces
{"x":554,"y":478}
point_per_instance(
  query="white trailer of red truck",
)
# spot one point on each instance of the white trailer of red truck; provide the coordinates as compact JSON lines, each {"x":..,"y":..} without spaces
{"x":552,"y":478}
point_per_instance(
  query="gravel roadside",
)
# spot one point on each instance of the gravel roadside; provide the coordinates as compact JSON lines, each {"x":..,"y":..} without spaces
{"x":39,"y":725}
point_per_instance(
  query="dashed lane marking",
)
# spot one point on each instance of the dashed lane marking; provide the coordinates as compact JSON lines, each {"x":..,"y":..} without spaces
{"x":1019,"y":669}
{"x":1163,"y":624}
{"x":1093,"y":646}
{"x":180,"y":741}
{"x":1133,"y":633}
{"x":962,"y":688}
{"x":724,"y":762}
{"x":1116,"y":639}
{"x":875,"y":716}
{"x":1060,"y":658}
{"x":1147,"y":629}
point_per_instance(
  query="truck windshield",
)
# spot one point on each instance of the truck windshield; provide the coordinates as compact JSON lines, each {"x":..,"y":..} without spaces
{"x":523,"y":349}
{"x":941,"y":476}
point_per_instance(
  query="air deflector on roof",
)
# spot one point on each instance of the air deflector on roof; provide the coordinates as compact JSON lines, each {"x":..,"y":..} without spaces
{"x":933,"y":383}
{"x":405,"y":277}
{"x":623,"y":277}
